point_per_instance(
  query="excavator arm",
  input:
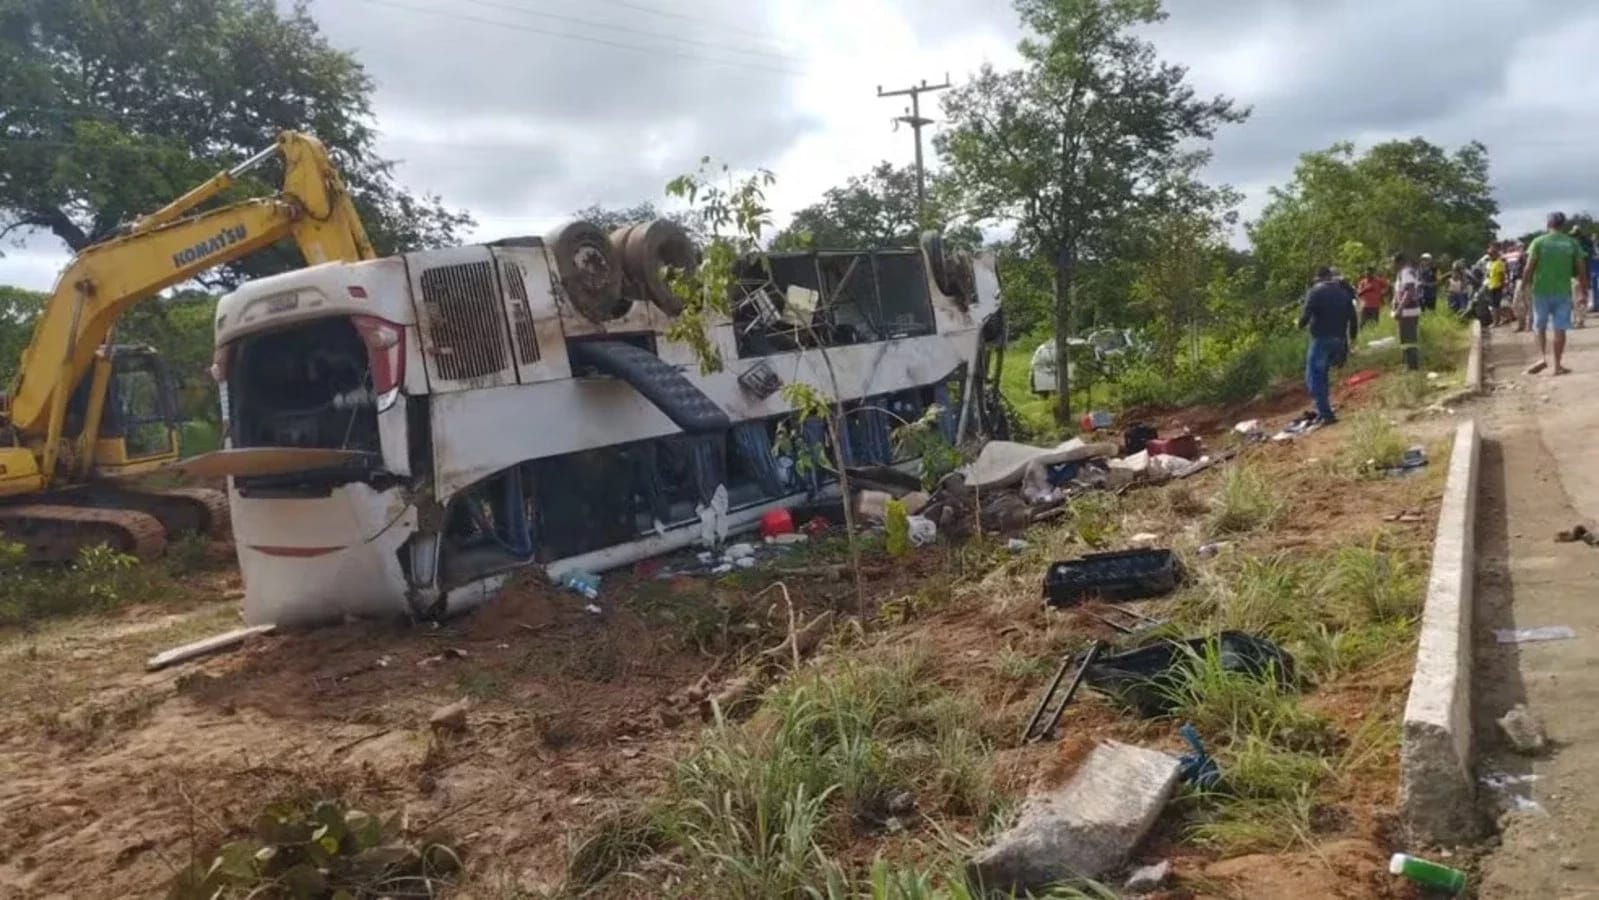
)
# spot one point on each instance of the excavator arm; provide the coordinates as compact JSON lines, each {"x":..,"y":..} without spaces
{"x":168,"y":247}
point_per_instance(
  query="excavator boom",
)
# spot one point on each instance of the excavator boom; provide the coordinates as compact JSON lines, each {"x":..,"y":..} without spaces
{"x":45,"y":498}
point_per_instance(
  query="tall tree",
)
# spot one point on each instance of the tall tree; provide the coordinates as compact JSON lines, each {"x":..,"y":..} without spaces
{"x":1091,"y":135}
{"x":1402,"y":196}
{"x":110,"y":110}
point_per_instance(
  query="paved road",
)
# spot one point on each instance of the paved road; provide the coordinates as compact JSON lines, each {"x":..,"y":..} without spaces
{"x":1540,"y":475}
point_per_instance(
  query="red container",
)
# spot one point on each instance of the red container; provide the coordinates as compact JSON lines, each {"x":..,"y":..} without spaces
{"x":1185,"y":446}
{"x":777,"y":522}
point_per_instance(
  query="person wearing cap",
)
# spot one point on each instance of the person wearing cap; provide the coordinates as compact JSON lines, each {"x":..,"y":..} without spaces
{"x":1554,"y":261}
{"x":1329,"y":313}
{"x":1427,"y":276}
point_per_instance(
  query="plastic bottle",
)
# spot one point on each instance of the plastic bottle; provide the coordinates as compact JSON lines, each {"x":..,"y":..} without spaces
{"x":584,"y":583}
{"x":1428,"y":874}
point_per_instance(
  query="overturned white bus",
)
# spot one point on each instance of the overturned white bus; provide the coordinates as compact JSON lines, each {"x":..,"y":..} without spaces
{"x":403,"y":433}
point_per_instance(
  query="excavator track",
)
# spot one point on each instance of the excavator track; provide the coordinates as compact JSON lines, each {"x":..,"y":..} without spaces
{"x":52,"y":532}
{"x":180,"y":510}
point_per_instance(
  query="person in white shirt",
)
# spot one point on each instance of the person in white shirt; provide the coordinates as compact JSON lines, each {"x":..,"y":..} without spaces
{"x":1407,"y":286}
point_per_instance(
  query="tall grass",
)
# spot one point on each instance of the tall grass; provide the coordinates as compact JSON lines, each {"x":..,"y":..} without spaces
{"x":757,"y":809}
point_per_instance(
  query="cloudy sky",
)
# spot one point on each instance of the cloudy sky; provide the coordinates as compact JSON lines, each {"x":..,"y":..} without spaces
{"x":522,"y":111}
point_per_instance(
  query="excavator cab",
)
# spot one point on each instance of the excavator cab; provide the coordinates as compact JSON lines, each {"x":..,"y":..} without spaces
{"x":139,"y":423}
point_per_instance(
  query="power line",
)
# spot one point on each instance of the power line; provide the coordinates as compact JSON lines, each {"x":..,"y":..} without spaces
{"x":725,"y":48}
{"x":670,"y":14}
{"x":653,"y":51}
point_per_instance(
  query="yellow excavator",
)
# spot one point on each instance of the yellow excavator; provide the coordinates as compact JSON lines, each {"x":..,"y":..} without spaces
{"x":86,"y":415}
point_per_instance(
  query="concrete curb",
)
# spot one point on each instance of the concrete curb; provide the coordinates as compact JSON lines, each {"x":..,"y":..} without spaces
{"x":1437,"y":793}
{"x":1474,"y":380}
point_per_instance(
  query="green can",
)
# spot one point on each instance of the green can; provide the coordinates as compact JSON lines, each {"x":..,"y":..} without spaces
{"x":1428,"y":874}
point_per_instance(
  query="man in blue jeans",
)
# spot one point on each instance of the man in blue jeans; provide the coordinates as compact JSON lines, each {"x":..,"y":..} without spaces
{"x":1329,"y":312}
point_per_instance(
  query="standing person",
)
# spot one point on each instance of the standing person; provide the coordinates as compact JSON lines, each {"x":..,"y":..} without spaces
{"x":1459,"y":287}
{"x":1495,"y":275}
{"x":1330,"y":316}
{"x":1590,"y":250}
{"x":1427,"y":274}
{"x":1520,"y":305}
{"x":1372,"y":288}
{"x":1554,"y":261}
{"x":1407,"y":310}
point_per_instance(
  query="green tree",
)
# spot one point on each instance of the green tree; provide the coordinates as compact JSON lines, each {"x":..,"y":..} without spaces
{"x":878,"y":209}
{"x":1092,"y":136}
{"x":1401,"y":196}
{"x":111,"y":110}
{"x":18,"y":309}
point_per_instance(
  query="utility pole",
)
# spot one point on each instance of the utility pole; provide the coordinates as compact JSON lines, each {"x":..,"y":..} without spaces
{"x":913,"y":118}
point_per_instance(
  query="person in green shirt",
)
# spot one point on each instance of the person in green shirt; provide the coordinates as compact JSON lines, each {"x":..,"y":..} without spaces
{"x":1554,"y":261}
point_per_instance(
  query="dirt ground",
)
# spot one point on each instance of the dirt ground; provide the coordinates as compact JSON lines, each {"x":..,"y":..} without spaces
{"x":111,"y":779}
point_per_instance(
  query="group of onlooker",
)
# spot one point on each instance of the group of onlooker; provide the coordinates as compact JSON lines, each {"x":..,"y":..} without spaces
{"x":1548,"y":284}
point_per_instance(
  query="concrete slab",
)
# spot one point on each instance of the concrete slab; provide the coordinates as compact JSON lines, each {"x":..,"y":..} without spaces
{"x":1436,"y":790}
{"x":1086,"y":829}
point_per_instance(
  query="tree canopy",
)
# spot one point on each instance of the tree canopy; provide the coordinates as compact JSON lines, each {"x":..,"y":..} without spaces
{"x":877,"y":209}
{"x":111,"y":110}
{"x":1357,"y":210}
{"x":1093,"y":137}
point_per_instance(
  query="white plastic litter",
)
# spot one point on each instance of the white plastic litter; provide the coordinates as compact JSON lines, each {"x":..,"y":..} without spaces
{"x":922,"y":532}
{"x":1529,"y":635}
{"x":1003,"y":463}
{"x":1016,"y":545}
{"x":713,"y":518}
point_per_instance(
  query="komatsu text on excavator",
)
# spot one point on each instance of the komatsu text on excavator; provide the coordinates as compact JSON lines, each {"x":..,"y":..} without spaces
{"x":85,"y":414}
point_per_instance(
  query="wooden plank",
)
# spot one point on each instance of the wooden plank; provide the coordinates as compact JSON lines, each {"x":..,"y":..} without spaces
{"x":206,"y":646}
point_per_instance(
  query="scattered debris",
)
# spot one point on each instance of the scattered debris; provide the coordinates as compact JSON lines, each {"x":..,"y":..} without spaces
{"x":1185,"y":446}
{"x":1523,"y":730}
{"x":1084,"y":830}
{"x":585,"y":584}
{"x":1097,"y":421}
{"x":1149,"y":879}
{"x":1382,"y":343}
{"x":1214,"y":548}
{"x":872,"y":506}
{"x":1405,"y":516}
{"x":1361,"y":377}
{"x":1144,"y":539}
{"x":451,"y":717}
{"x":205,"y":647}
{"x":1119,"y":576}
{"x":1432,"y":875}
{"x":1530,"y":635}
{"x":1251,"y":430}
{"x":1032,"y":732}
{"x":1141,"y":678}
{"x":1016,"y":545}
{"x":1199,"y":768}
{"x":1577,"y":533}
{"x":921,"y":531}
{"x":776,"y":523}
{"x":448,"y":653}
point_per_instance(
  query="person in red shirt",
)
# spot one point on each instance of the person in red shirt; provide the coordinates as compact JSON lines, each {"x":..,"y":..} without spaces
{"x":1373,"y":289}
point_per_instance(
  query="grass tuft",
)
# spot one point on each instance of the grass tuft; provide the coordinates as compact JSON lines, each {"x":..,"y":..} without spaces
{"x":1373,"y":443}
{"x":1247,"y":502}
